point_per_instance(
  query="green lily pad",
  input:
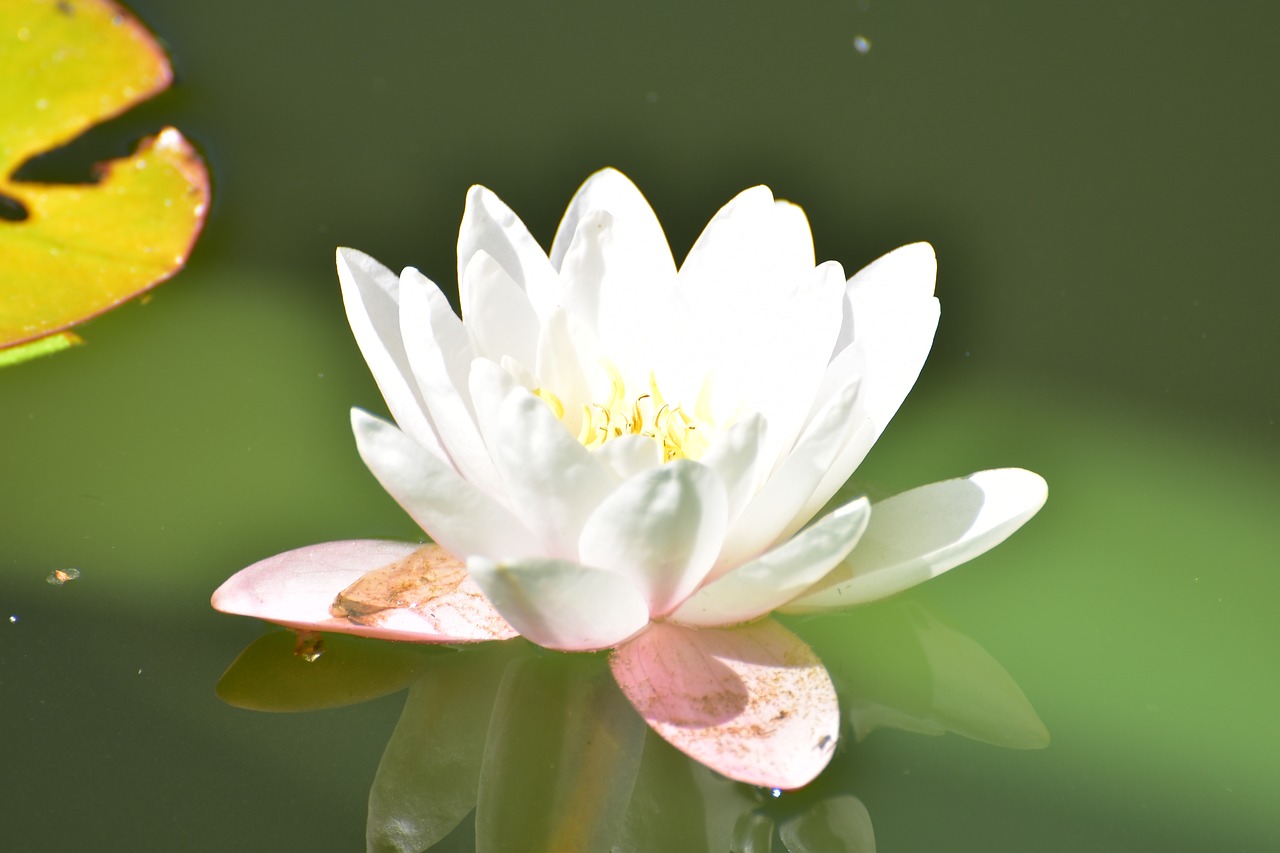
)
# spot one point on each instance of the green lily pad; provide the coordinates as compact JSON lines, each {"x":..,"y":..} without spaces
{"x":68,"y":252}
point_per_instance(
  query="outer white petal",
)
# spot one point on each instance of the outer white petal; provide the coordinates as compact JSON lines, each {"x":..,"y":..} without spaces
{"x":619,"y":276}
{"x":491,"y":226}
{"x":774,"y":507}
{"x":748,"y":247}
{"x":371,"y":294}
{"x":459,"y":516}
{"x":769,"y":581}
{"x":920,"y":534}
{"x":737,"y":458}
{"x":497,"y":313}
{"x":440,"y":352}
{"x":583,"y":269}
{"x":611,"y":191}
{"x":553,"y":482}
{"x":661,"y":529}
{"x":562,"y":605}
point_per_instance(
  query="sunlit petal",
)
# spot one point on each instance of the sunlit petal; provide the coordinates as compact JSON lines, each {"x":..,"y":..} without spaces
{"x":562,"y":605}
{"x":753,"y":702}
{"x":662,"y":529}
{"x":922,"y":533}
{"x":773,"y":579}
{"x":458,"y":515}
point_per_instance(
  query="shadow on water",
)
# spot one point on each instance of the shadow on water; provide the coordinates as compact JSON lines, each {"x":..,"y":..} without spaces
{"x":507,"y":746}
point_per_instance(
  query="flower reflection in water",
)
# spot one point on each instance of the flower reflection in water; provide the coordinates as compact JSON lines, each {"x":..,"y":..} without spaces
{"x":548,"y":753}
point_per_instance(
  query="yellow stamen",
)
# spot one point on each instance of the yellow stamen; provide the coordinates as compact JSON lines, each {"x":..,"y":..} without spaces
{"x":675,"y":430}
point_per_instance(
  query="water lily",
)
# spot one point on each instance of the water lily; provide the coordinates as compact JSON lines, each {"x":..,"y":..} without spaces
{"x":613,"y":452}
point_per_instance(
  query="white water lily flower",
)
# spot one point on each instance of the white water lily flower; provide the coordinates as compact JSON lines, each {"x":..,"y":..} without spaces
{"x":625,"y":454}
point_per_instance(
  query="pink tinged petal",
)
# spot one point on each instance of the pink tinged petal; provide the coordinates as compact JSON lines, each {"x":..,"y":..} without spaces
{"x":922,"y":533}
{"x":497,"y":314}
{"x":769,"y":581}
{"x":736,"y":459}
{"x":458,"y":515}
{"x":553,"y":481}
{"x":753,"y":703}
{"x":440,"y":350}
{"x":629,"y":455}
{"x":371,"y":294}
{"x":661,"y":529}
{"x":298,"y":588}
{"x":772,"y":513}
{"x":491,"y":226}
{"x":562,"y":605}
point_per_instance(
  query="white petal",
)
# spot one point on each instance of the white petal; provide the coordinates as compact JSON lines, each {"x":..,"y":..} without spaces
{"x":611,"y":191}
{"x":497,"y":313}
{"x":553,"y":482}
{"x":769,"y":581}
{"x":562,"y":605}
{"x":459,"y":516}
{"x":773,"y":509}
{"x":491,"y":226}
{"x":565,"y":356}
{"x":628,"y":455}
{"x":736,"y":457}
{"x":584,"y":266}
{"x":440,"y":351}
{"x":371,"y":294}
{"x":920,"y":534}
{"x":662,"y":529}
{"x":894,"y":318}
{"x":750,"y":245}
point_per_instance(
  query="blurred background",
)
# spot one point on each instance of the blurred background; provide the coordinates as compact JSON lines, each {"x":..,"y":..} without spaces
{"x":1098,"y":179}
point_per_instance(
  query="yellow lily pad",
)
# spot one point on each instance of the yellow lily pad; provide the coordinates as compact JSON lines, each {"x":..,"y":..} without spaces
{"x":71,"y":251}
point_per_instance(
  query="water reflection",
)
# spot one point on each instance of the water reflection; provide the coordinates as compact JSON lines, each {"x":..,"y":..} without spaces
{"x":547,"y":753}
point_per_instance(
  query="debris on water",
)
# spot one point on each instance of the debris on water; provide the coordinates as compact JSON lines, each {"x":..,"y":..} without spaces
{"x":13,"y":618}
{"x":861,"y":44}
{"x":309,"y":647}
{"x":775,"y":792}
{"x":58,"y":577}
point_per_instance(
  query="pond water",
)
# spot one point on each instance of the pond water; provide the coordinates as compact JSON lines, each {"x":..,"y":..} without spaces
{"x":1098,"y":180}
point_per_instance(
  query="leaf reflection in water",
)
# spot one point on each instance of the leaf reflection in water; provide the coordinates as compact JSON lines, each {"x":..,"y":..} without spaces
{"x":546,"y":752}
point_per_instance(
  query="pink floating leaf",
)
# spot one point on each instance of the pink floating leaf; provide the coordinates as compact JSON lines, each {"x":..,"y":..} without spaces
{"x":753,"y":702}
{"x":369,"y":587}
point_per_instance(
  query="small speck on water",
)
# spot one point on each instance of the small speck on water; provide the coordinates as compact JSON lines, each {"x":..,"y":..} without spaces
{"x":13,"y":618}
{"x":58,"y":577}
{"x":861,"y":44}
{"x":775,"y":792}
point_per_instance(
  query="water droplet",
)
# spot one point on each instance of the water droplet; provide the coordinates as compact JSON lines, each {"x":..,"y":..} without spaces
{"x":310,"y":646}
{"x":861,"y":43}
{"x":58,"y":577}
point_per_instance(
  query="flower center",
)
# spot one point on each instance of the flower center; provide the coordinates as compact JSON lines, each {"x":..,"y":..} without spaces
{"x":624,"y":413}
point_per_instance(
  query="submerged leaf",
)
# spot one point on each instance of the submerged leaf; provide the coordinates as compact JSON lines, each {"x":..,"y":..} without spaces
{"x":69,"y":251}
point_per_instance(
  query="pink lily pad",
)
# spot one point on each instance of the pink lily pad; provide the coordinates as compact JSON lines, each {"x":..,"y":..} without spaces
{"x":753,"y":702}
{"x":368,"y":587}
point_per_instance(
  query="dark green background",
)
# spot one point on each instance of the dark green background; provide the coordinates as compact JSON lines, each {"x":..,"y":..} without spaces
{"x":1099,"y":180}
